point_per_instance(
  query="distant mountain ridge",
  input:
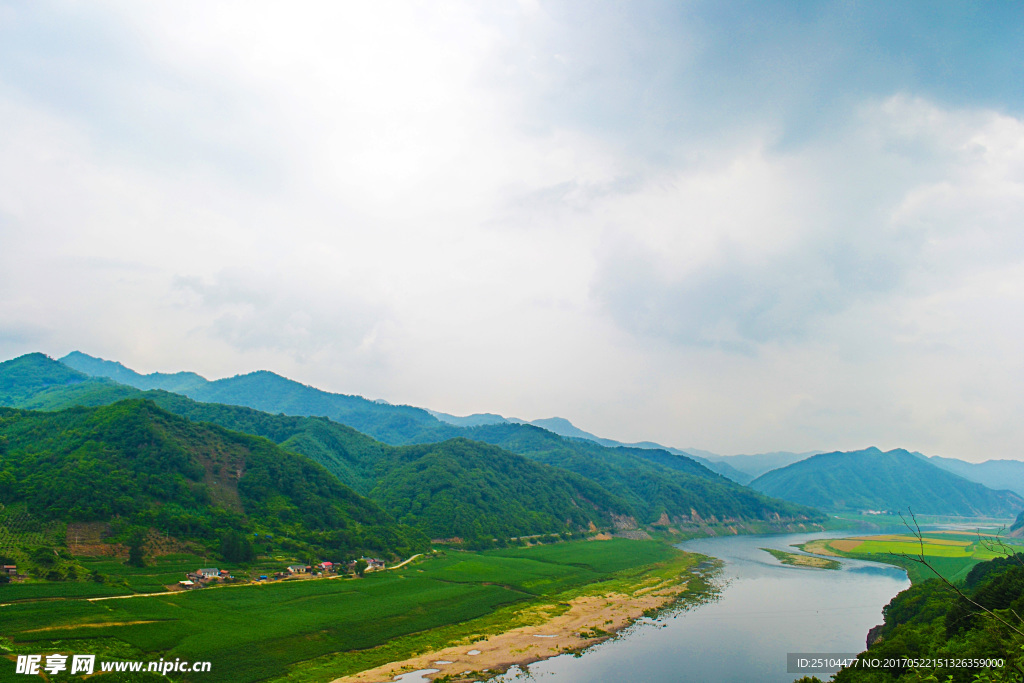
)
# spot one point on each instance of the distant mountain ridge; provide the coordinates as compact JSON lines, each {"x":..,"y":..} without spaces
{"x":478,"y":491}
{"x":642,"y":485}
{"x":890,"y":481}
{"x":996,"y":474}
{"x":272,"y":393}
{"x":563,"y":427}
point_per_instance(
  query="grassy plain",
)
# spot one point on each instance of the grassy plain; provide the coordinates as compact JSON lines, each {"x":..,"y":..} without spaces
{"x":329,"y":627}
{"x":951,"y":553}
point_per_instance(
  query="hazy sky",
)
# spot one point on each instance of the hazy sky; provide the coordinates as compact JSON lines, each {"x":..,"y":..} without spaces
{"x":738,"y":226}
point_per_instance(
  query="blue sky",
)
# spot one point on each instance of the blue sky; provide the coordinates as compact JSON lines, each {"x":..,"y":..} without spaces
{"x":740,"y":226}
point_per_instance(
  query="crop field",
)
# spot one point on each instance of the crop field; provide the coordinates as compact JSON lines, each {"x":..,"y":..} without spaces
{"x":951,"y":553}
{"x":259,"y":632}
{"x":20,"y":530}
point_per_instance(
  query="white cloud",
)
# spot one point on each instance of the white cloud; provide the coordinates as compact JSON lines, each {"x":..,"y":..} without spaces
{"x":484,"y":210}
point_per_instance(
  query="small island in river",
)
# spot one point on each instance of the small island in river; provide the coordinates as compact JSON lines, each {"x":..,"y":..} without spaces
{"x":797,"y":560}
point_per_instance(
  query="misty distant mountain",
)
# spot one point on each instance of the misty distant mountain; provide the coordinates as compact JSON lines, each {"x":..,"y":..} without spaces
{"x":177,"y":382}
{"x":563,"y":427}
{"x":474,"y":420}
{"x":891,"y":481}
{"x":996,"y":474}
{"x":759,"y":463}
{"x":272,"y":393}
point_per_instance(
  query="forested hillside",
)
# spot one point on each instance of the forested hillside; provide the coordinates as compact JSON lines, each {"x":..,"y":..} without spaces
{"x":269,"y":392}
{"x":137,"y":463}
{"x":930,"y":621}
{"x":655,"y":483}
{"x":650,"y":482}
{"x":481,"y":491}
{"x":895,"y":480}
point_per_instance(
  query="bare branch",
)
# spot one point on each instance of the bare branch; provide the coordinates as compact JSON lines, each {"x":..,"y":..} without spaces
{"x":920,"y":559}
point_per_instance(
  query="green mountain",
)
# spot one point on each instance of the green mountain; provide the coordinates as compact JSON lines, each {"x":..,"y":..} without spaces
{"x":483,"y":491}
{"x":142,"y":466}
{"x":266,"y":391}
{"x":177,"y":382}
{"x":895,"y":480}
{"x":31,"y":374}
{"x":630,"y":485}
{"x":657,"y":484}
{"x":721,"y":464}
{"x":996,"y":474}
{"x":627,"y":483}
{"x":396,"y":425}
{"x":476,"y":490}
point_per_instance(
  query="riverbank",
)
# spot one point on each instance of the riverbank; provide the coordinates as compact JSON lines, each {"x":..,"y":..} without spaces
{"x":558,"y":624}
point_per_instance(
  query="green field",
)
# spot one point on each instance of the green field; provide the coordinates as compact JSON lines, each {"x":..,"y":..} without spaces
{"x":332,"y":626}
{"x":950,"y":553}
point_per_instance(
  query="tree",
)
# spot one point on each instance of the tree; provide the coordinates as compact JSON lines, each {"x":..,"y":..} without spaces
{"x":361,"y":566}
{"x":236,"y":547}
{"x":136,"y":540}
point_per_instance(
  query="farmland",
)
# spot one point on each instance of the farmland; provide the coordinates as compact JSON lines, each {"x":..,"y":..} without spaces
{"x":951,"y":553}
{"x":332,"y":627}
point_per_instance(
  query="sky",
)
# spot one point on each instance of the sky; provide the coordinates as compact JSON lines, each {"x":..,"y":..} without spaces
{"x":735,"y":226}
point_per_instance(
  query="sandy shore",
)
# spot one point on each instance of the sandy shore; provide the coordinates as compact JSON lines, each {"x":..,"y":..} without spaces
{"x":569,"y":631}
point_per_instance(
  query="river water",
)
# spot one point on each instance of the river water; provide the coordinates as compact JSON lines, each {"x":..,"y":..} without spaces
{"x":765,"y":610}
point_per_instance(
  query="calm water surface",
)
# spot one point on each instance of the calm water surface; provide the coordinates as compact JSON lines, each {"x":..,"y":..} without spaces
{"x":765,"y":610}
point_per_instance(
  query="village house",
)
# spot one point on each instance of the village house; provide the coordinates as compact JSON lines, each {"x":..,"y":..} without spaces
{"x":208,"y":573}
{"x":373,"y":564}
{"x":10,"y":569}
{"x":297,"y":569}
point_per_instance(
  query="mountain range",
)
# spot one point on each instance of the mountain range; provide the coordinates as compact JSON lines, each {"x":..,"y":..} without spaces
{"x":890,"y":481}
{"x":496,"y":480}
{"x":137,"y":465}
{"x":739,"y":468}
{"x":408,"y":424}
{"x":629,"y":471}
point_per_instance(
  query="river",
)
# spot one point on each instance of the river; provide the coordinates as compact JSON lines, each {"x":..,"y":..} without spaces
{"x":765,"y":610}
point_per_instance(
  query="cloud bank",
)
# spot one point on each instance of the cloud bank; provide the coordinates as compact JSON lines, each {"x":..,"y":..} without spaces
{"x":732,"y":226}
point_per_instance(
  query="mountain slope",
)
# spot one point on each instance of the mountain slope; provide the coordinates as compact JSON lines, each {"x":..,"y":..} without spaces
{"x":996,"y":474}
{"x":488,"y":490}
{"x":873,"y":480}
{"x":563,"y":427}
{"x":759,"y":463}
{"x":97,"y":367}
{"x":28,"y":375}
{"x":396,"y":425}
{"x":138,"y":463}
{"x":481,"y":491}
{"x":644,"y":484}
{"x":272,"y":393}
{"x":654,"y":483}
